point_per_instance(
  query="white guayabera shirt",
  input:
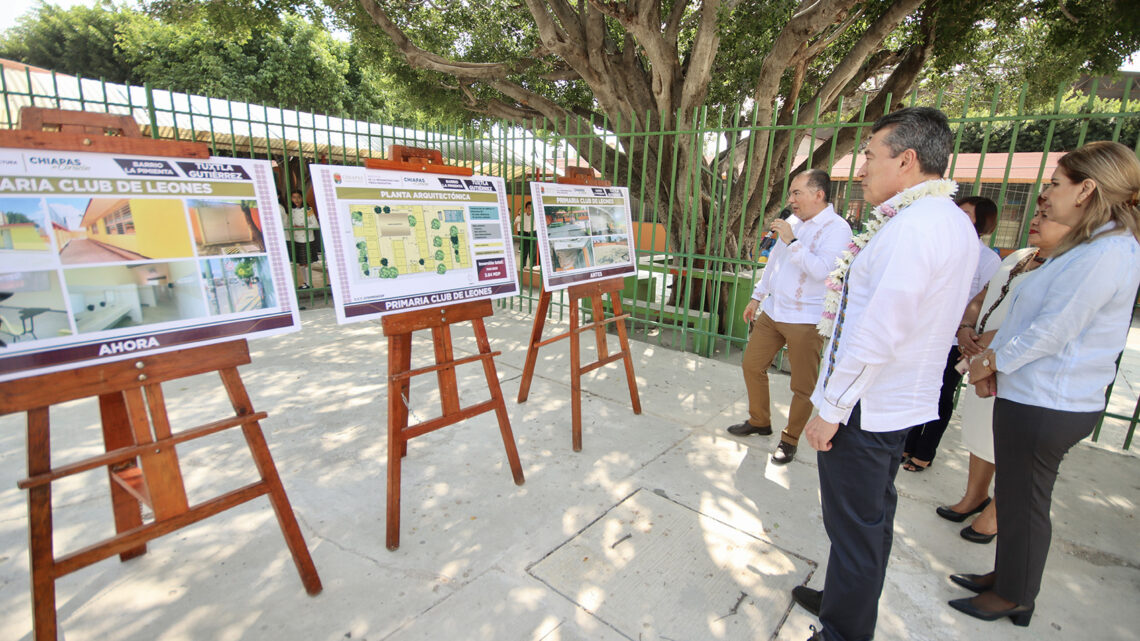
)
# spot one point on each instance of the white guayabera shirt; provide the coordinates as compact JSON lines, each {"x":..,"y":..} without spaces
{"x":793,"y":279}
{"x":906,"y":291}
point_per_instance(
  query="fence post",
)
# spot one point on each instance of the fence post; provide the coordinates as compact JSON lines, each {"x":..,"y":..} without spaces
{"x":150,"y":112}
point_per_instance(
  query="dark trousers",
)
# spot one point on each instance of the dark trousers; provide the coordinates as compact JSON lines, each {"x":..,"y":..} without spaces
{"x":527,"y":248}
{"x":1029,"y":444}
{"x":857,"y":490}
{"x":922,"y":440}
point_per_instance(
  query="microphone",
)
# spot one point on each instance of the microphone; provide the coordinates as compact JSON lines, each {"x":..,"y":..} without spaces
{"x":769,"y":239}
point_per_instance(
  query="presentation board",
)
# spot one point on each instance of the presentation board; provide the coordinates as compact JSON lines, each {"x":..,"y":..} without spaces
{"x":400,"y":241}
{"x":583,"y":233}
{"x":109,"y":256}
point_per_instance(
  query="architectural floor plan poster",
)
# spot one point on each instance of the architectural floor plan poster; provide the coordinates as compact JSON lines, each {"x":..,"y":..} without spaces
{"x":107,"y":256}
{"x":583,"y":233}
{"x":401,"y":241}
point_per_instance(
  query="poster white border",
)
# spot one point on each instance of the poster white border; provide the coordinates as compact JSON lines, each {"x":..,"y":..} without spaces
{"x":58,"y":176}
{"x":587,"y":230}
{"x":357,"y":296}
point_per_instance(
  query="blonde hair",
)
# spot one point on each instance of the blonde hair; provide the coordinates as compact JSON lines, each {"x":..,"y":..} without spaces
{"x":1115,"y":171}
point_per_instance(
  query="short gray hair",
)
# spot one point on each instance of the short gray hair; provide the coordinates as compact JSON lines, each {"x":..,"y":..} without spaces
{"x":923,"y":129}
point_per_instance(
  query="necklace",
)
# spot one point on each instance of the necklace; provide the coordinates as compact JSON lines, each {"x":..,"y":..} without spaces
{"x":879,"y":217}
{"x":1018,"y":269}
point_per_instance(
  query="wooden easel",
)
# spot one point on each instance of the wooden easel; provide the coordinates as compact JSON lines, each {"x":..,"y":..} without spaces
{"x":140,"y":457}
{"x":594,"y":291}
{"x":399,"y":329}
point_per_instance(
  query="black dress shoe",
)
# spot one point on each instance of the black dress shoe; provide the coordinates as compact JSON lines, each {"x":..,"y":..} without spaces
{"x":974,"y":582}
{"x":784,"y":453}
{"x":746,"y":429}
{"x":808,"y":598}
{"x":974,"y":536}
{"x":1019,"y":614}
{"x":958,"y":517}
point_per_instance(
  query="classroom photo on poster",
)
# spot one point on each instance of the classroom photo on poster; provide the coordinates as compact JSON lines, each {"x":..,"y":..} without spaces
{"x":401,"y":241}
{"x":583,"y":233}
{"x":98,"y":263}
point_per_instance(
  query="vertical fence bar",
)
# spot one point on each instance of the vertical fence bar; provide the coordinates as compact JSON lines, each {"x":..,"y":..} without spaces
{"x":1010,"y":157}
{"x":150,"y":111}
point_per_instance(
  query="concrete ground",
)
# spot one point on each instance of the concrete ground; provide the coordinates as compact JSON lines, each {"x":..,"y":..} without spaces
{"x":663,"y":527}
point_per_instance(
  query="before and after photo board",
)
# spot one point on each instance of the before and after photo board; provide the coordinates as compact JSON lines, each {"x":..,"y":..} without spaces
{"x":109,"y":256}
{"x":584,"y":233}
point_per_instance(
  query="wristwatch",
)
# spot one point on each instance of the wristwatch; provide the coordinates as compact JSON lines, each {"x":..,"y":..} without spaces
{"x":794,"y":239}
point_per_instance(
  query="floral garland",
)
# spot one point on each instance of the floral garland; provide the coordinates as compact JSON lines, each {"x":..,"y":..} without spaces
{"x":879,"y":217}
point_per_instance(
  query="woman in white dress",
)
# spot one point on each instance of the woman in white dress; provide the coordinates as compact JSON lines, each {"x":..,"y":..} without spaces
{"x":983,"y":316}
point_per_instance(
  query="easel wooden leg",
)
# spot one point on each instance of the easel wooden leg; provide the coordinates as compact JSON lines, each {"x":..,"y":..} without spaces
{"x":40,"y":546}
{"x":448,"y":385}
{"x":497,"y":397}
{"x":532,"y":346}
{"x":399,"y":360}
{"x":161,"y":472}
{"x":575,"y":378}
{"x":598,"y":313}
{"x":282,"y":508}
{"x":627,"y":358}
{"x":116,"y":433}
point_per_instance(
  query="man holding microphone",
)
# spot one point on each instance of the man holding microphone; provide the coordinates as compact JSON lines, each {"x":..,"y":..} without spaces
{"x":788,"y":303}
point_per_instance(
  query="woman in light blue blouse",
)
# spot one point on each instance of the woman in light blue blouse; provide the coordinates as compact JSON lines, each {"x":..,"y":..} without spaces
{"x":1051,"y":361}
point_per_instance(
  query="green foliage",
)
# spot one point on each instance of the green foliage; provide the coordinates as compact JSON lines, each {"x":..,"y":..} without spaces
{"x":441,"y":269}
{"x":983,"y":46}
{"x":78,"y":41}
{"x":1033,"y":132}
{"x":357,"y":218}
{"x":243,"y":269}
{"x":435,"y":224}
{"x":437,"y":241}
{"x":412,"y":221}
{"x":15,"y":218}
{"x":439,"y":255}
{"x":287,"y":61}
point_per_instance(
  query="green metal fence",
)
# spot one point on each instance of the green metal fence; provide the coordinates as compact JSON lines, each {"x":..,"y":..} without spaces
{"x":682,"y":297}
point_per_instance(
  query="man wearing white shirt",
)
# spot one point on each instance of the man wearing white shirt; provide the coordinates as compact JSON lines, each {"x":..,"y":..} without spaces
{"x":788,"y":303}
{"x":902,"y":297}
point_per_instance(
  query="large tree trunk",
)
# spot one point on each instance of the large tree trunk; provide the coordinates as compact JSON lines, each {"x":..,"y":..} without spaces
{"x":649,"y":93}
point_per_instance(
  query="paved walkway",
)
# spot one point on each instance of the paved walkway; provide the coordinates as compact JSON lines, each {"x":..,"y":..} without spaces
{"x":85,"y":250}
{"x":663,"y":527}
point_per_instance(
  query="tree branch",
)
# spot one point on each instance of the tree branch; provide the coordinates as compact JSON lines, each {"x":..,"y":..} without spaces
{"x":556,"y":39}
{"x":422,"y":59}
{"x":1065,"y":12}
{"x":702,"y":56}
{"x":814,"y":49}
{"x":871,"y":40}
{"x":811,"y":17}
{"x":673,"y":23}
